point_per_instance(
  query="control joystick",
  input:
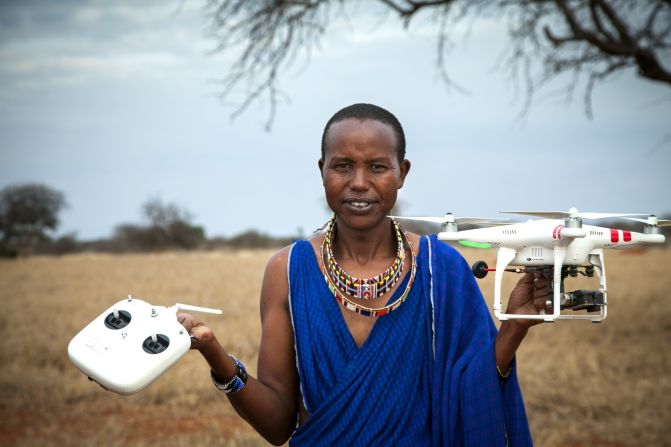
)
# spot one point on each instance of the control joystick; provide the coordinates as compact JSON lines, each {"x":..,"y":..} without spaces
{"x":117,"y":319}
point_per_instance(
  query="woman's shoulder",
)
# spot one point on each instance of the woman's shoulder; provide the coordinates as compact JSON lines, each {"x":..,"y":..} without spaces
{"x":279,"y":260}
{"x":442,"y":247}
{"x":277,"y":265}
{"x":445,"y":253}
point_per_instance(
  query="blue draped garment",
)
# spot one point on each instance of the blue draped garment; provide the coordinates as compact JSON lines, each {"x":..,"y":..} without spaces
{"x":426,"y":375}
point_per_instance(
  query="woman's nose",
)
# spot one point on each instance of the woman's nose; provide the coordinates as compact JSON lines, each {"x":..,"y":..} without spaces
{"x":359,"y":179}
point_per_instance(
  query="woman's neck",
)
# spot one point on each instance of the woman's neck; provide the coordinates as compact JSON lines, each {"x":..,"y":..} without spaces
{"x":362,"y":246}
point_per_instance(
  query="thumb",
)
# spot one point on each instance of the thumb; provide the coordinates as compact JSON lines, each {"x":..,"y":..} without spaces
{"x":202,"y":335}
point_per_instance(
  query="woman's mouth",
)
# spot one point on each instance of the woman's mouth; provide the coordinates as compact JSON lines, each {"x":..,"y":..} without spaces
{"x":359,"y":205}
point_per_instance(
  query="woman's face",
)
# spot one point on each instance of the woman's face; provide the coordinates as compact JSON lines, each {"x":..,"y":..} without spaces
{"x":360,"y":171}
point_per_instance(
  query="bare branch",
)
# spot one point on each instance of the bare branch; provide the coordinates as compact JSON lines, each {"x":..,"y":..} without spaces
{"x":625,"y":46}
{"x":548,"y":38}
{"x":413,"y":6}
{"x":621,"y":28}
{"x":599,"y":76}
{"x":598,"y":23}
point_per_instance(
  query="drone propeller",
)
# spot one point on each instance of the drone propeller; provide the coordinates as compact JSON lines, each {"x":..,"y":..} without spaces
{"x":572,"y":213}
{"x":652,"y":220}
{"x":449,"y":218}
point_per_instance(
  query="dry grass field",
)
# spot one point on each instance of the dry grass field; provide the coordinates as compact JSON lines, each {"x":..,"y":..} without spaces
{"x":600,"y":385}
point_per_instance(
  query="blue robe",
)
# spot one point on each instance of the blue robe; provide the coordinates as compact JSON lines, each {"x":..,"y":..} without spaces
{"x":426,"y":375}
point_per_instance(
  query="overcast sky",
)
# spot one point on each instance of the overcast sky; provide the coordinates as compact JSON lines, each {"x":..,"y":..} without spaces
{"x":116,"y":102}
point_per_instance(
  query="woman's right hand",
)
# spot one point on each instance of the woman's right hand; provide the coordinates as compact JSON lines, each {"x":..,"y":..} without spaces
{"x":201,"y":335}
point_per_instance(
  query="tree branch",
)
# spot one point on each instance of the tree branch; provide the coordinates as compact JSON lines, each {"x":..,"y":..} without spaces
{"x":626,"y":45}
{"x":597,"y":21}
{"x":600,"y":37}
{"x":621,"y":28}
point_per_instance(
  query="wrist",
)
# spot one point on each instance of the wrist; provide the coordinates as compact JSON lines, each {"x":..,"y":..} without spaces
{"x":209,"y":348}
{"x":234,"y":384}
{"x":223,"y":367}
{"x":515,"y":328}
{"x":508,"y":339}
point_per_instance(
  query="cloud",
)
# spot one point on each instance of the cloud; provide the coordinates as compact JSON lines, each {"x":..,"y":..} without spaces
{"x":97,"y":13}
{"x":44,"y":45}
{"x":54,"y":70}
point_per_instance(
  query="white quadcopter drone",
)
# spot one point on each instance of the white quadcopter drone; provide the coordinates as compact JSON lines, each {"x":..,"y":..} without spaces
{"x":131,"y":344}
{"x":557,"y":246}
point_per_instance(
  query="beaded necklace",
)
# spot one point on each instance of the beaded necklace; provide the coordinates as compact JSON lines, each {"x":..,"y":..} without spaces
{"x":364,"y":310}
{"x":362,"y":288}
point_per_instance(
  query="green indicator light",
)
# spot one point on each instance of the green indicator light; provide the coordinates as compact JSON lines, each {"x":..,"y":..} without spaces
{"x":472,"y":244}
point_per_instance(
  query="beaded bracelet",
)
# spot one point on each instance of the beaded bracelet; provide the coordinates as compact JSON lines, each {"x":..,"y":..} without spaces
{"x":237,"y":383}
{"x":502,"y":375}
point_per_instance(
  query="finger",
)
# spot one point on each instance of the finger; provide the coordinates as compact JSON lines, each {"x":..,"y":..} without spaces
{"x":187,"y":321}
{"x":528,"y":278}
{"x":542,"y":304}
{"x":201,"y":335}
{"x":541,"y":292}
{"x":541,"y":282}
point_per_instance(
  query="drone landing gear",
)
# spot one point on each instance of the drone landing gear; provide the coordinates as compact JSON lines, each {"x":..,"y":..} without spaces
{"x":588,"y":300}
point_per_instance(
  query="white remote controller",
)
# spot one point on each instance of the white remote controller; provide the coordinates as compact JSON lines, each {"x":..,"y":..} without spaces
{"x":131,"y":344}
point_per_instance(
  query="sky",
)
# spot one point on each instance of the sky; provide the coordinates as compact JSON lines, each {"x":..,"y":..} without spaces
{"x":114,"y":103}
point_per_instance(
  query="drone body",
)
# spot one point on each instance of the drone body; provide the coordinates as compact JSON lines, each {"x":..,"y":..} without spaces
{"x":534,"y":241}
{"x":557,"y":246}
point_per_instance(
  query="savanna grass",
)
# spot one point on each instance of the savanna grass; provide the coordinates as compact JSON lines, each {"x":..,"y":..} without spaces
{"x":584,"y":384}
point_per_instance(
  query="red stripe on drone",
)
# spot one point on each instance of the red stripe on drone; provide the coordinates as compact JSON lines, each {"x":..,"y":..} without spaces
{"x":626,"y":236}
{"x":614,"y":236}
{"x":556,"y":233}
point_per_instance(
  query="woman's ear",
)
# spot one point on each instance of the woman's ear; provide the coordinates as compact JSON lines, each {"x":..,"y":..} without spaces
{"x":320,"y":163}
{"x":404,"y":168}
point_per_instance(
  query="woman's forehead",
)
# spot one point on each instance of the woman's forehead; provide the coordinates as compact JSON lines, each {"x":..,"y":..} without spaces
{"x":352,"y":136}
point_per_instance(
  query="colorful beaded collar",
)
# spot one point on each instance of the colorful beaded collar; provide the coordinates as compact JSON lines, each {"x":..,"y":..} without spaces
{"x":371,"y":311}
{"x":362,"y":288}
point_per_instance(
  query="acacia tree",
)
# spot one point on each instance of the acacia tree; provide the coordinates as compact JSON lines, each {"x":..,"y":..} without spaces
{"x":548,"y":38}
{"x":169,"y":226}
{"x":27,"y":212}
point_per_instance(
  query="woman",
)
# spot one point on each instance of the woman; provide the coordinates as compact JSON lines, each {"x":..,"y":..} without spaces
{"x":371,"y":335}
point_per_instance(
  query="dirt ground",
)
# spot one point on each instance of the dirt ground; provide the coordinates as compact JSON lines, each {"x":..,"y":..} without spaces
{"x":598,"y":385}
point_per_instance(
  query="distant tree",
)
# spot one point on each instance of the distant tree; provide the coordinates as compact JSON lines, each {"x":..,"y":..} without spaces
{"x":169,"y":226}
{"x":27,"y":212}
{"x":132,"y":237}
{"x":256,"y":239}
{"x":172,"y":224}
{"x":252,"y":239}
{"x":61,"y":245}
{"x":162,"y":215}
{"x":186,"y":235}
{"x":547,"y":38}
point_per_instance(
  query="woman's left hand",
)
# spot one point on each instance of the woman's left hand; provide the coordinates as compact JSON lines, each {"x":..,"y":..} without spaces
{"x":529,"y":297}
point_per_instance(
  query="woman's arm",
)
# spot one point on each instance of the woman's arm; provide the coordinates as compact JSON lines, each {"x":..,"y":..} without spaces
{"x":528,"y":297}
{"x":268,"y":403}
